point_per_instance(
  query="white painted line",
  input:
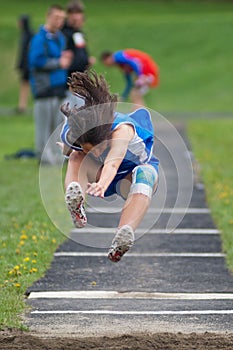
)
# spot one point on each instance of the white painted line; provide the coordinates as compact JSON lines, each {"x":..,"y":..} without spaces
{"x":103,"y":294}
{"x":195,"y":231}
{"x":146,"y":313}
{"x":142,"y":255}
{"x":111,"y":210}
{"x":111,"y":230}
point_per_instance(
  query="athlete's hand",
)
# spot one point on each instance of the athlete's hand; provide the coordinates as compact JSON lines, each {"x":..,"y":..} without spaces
{"x":64,"y":148}
{"x":60,"y":145}
{"x":95,"y":189}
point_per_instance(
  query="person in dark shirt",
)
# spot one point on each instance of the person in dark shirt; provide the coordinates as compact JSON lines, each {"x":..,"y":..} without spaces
{"x":22,"y":62}
{"x":75,"y":38}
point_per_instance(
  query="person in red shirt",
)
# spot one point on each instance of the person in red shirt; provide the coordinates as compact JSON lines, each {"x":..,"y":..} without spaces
{"x":140,"y":71}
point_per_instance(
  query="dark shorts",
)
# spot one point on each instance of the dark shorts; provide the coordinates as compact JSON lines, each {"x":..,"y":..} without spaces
{"x":114,"y":187}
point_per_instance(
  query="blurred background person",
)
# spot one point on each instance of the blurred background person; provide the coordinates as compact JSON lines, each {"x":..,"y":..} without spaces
{"x":26,"y":34}
{"x":75,"y":38}
{"x":76,"y":42}
{"x":140,"y":72}
{"x":48,"y":63}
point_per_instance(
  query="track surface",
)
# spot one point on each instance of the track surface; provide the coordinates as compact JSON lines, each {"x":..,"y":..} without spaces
{"x":171,"y":280}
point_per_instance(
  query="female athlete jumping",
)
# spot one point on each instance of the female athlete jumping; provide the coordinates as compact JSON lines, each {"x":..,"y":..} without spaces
{"x":109,"y":153}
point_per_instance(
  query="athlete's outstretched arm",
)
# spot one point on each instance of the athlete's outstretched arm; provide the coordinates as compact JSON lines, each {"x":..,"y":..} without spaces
{"x":119,"y":144}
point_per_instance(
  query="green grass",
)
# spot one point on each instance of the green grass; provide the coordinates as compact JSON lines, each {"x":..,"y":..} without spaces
{"x":28,"y":238}
{"x":212,"y":142}
{"x":191,"y":43}
{"x":189,"y":40}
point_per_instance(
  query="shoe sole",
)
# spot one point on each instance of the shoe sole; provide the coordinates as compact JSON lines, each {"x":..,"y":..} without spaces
{"x":74,"y":198}
{"x":121,"y":243}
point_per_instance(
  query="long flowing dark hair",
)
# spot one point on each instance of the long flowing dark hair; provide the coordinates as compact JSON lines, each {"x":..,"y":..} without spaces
{"x":92,"y":122}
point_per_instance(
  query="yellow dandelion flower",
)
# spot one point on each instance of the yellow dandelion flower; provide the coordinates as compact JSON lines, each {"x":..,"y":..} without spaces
{"x":16,"y":267}
{"x":34,"y":238}
{"x":93,"y":283}
{"x":33,"y":270}
{"x":17,"y":251}
{"x":4,"y":245}
{"x":54,"y":240}
{"x":21,"y":243}
{"x":26,"y":259}
{"x":35,"y":253}
{"x":28,"y":226}
{"x":17,"y":285}
{"x":23,"y":237}
{"x":223,"y":195}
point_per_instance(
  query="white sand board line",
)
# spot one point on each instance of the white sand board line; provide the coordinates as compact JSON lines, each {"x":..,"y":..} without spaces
{"x":141,"y":255}
{"x":111,"y":210}
{"x":103,"y":294}
{"x":140,"y":231}
{"x":134,"y":313}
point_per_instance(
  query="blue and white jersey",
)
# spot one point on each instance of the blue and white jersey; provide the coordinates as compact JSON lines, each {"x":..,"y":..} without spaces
{"x":140,"y":148}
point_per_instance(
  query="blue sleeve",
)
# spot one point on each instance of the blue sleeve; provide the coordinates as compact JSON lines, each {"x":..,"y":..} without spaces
{"x":38,"y":57}
{"x":119,"y":57}
{"x":143,"y":117}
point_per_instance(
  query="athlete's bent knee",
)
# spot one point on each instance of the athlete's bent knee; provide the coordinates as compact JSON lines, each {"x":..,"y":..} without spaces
{"x":144,"y":180}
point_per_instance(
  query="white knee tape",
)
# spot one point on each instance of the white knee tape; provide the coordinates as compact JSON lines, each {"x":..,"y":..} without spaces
{"x":144,"y":178}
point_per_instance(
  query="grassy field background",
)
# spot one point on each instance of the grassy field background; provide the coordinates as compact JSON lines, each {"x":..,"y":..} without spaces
{"x":212,"y":142}
{"x":189,"y":40}
{"x":191,"y":43}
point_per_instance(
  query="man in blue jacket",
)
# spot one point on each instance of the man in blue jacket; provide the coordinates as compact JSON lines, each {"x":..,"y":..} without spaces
{"x":48,"y":63}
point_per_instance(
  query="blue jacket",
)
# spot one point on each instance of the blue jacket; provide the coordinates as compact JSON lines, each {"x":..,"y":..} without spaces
{"x":46,"y":77}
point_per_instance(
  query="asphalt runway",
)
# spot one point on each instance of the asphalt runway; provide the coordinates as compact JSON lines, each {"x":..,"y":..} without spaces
{"x":174,"y":279}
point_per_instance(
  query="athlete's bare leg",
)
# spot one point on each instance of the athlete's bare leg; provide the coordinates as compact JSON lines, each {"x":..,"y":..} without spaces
{"x":80,"y":170}
{"x":133,"y":212}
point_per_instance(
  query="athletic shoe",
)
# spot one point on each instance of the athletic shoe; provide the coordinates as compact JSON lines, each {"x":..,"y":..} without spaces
{"x":74,"y":199}
{"x":121,"y":243}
